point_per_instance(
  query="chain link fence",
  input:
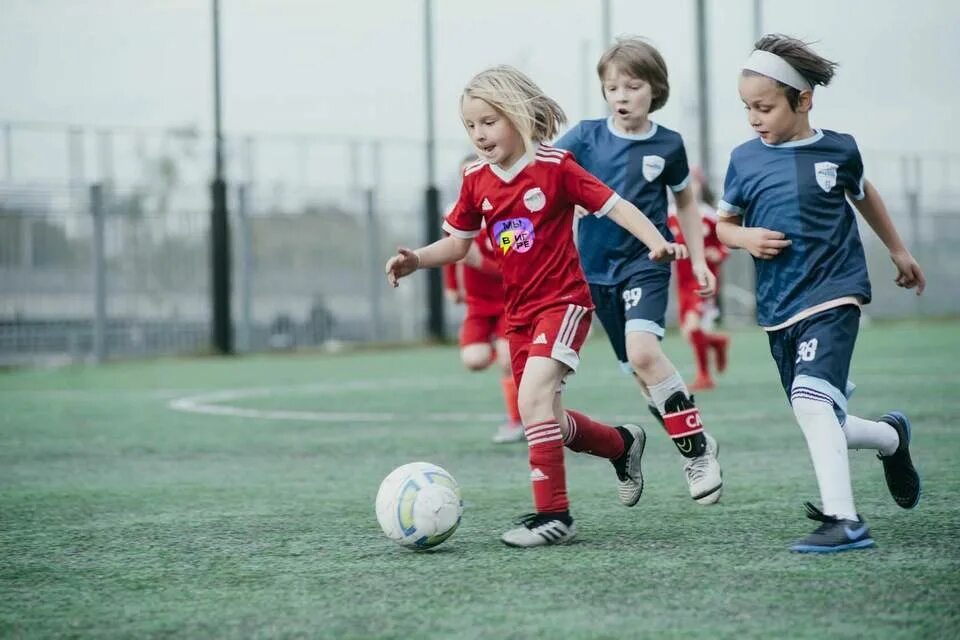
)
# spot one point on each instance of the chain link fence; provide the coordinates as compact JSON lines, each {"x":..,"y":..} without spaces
{"x":106,"y":253}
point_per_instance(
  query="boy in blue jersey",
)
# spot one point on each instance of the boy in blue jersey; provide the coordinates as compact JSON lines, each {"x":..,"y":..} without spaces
{"x":785,"y":201}
{"x":640,"y":160}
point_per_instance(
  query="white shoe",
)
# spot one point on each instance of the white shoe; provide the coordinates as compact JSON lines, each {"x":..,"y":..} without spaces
{"x":704,"y":475}
{"x":539,"y":530}
{"x":509,"y":432}
{"x":629,"y":476}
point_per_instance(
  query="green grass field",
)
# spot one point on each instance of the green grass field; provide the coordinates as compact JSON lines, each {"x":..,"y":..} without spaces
{"x":122,"y":517}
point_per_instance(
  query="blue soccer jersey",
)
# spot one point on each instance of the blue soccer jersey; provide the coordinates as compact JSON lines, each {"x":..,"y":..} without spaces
{"x":799,"y":188}
{"x":639,"y":168}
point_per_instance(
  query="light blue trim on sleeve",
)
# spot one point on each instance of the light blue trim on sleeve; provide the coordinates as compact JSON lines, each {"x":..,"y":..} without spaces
{"x":731,"y":209}
{"x":862,"y":194}
{"x":683,"y":184}
{"x":638,"y":324}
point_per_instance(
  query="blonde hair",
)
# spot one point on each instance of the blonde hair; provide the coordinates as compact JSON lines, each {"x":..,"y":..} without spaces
{"x":638,"y":58}
{"x":536,"y":116}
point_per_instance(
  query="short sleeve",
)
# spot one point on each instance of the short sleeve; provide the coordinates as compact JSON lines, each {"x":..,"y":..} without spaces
{"x":572,"y":141}
{"x":464,"y":219}
{"x":585,"y":190}
{"x":854,"y":169}
{"x":677,"y":172}
{"x":732,"y":203}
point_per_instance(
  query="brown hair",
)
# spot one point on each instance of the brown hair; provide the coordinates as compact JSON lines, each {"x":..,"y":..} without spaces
{"x":816,"y":69}
{"x":638,"y":58}
{"x":535,"y":115}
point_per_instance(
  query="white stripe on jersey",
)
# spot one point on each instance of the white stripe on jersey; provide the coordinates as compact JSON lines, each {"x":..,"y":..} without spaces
{"x":545,"y":148}
{"x":472,"y":168}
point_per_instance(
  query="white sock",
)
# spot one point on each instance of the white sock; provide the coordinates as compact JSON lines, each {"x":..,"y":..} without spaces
{"x":662,"y":391}
{"x":867,"y":434}
{"x":645,"y":392}
{"x":828,"y":451}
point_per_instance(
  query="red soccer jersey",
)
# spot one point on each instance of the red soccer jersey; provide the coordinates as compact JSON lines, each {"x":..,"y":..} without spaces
{"x":715,"y":251}
{"x":481,"y":291}
{"x":528,"y":211}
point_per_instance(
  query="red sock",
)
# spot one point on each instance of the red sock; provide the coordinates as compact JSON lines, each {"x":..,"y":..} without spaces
{"x":589,"y":436}
{"x":547,"y":474}
{"x":700,"y":344}
{"x":509,"y":386}
{"x":719,"y":342}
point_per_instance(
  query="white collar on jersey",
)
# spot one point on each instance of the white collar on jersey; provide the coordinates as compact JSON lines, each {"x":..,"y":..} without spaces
{"x":646,"y":135}
{"x":507,"y":175}
{"x":817,"y":135}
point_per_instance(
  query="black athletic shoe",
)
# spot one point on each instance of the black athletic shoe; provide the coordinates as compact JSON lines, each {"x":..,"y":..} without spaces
{"x":903,"y":481}
{"x":833,"y":534}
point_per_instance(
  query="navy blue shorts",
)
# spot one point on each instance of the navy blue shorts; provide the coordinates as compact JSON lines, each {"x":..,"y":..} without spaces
{"x":639,"y":303}
{"x":814,"y":355}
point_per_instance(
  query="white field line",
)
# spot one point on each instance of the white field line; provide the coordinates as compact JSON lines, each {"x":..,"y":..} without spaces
{"x":217,"y":403}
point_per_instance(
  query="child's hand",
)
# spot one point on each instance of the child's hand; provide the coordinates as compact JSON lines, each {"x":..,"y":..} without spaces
{"x":453,"y":296}
{"x":706,"y":280}
{"x":909,"y":274}
{"x":402,"y":264}
{"x":579,"y":212}
{"x":764,"y":243}
{"x":668,"y":251}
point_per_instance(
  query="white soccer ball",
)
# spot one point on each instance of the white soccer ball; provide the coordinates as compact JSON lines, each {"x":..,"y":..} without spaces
{"x":419,"y":505}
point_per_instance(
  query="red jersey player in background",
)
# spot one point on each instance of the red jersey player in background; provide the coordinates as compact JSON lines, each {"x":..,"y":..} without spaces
{"x":483,"y":339}
{"x":525,"y":192}
{"x":698,"y":313}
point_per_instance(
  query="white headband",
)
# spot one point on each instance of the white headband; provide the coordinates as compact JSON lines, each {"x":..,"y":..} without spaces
{"x":773,"y":66}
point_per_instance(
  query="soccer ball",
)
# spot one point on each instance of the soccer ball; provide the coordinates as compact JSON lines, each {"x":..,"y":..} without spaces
{"x":419,"y":505}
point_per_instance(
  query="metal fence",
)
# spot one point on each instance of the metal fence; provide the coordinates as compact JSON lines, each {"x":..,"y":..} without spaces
{"x":106,"y":253}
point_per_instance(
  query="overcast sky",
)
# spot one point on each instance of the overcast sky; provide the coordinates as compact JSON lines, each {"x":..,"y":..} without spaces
{"x":355,"y":67}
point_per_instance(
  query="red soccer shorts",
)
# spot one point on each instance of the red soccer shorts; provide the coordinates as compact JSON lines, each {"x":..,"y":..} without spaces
{"x":482,"y":328}
{"x":557,"y":333}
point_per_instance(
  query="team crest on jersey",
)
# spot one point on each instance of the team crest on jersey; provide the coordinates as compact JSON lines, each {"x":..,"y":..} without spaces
{"x":653,"y":167}
{"x":514,"y":234}
{"x":534,"y":200}
{"x":826,"y":173}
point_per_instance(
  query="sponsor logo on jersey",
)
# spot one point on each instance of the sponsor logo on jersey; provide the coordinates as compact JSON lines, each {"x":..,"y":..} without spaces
{"x":540,"y":339}
{"x":514,"y":234}
{"x":653,"y":167}
{"x":534,"y":200}
{"x":826,"y":173}
{"x":486,"y":206}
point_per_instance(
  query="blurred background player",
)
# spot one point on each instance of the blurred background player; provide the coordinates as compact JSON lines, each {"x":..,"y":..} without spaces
{"x":640,"y":160}
{"x":698,"y":314}
{"x":785,"y":201}
{"x":483,"y":332}
{"x":525,"y":192}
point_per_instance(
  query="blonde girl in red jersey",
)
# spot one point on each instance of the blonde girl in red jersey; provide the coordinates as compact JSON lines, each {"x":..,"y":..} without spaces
{"x":476,"y":282}
{"x":525,"y":192}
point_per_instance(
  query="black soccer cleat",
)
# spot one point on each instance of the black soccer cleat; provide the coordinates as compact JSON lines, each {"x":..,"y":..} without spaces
{"x":833,"y":534}
{"x":903,"y":481}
